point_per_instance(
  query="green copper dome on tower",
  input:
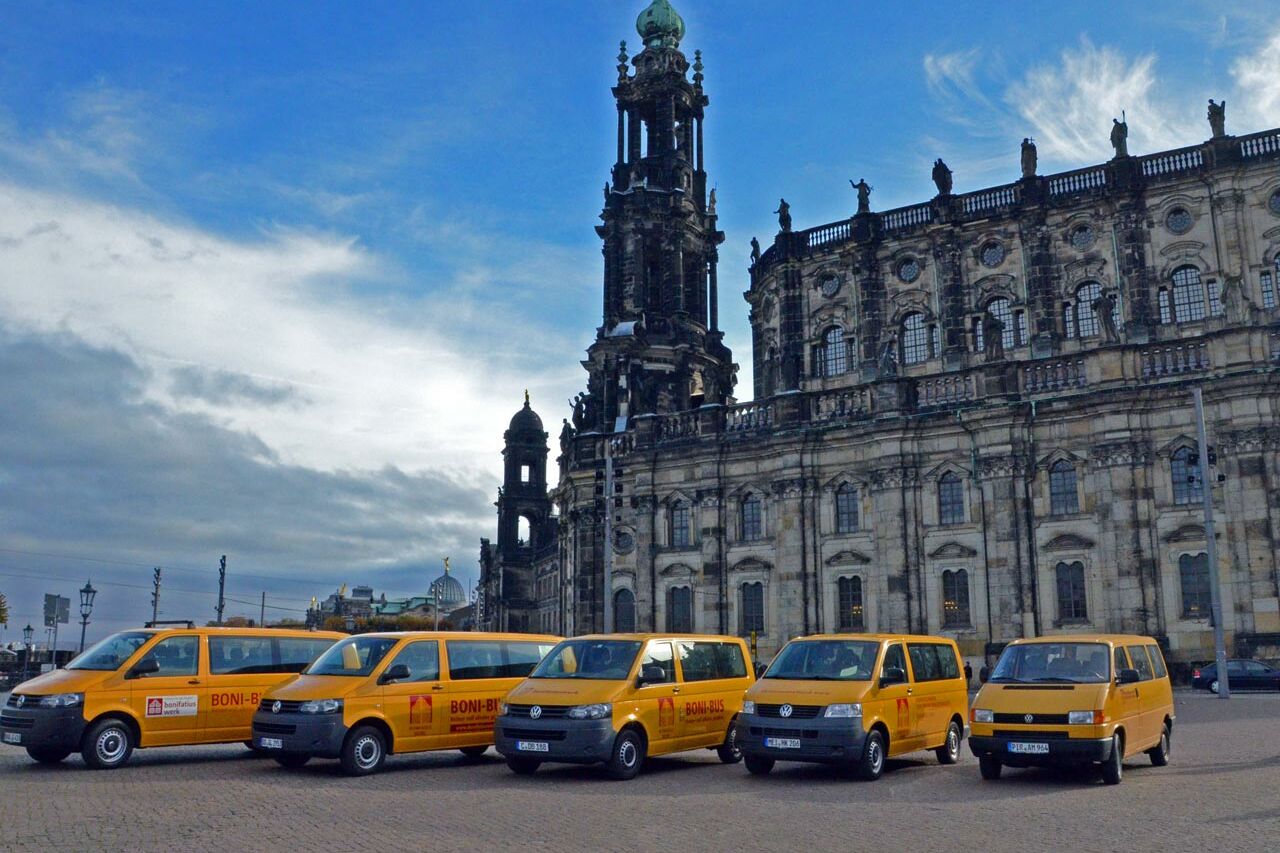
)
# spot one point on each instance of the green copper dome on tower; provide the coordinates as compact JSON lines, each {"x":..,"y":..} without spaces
{"x":660,"y":25}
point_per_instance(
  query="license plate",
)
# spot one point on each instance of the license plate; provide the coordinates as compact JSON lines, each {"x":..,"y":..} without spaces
{"x":532,"y":746}
{"x":1030,"y":748}
{"x":12,"y":737}
{"x":270,"y":743}
{"x":782,"y":742}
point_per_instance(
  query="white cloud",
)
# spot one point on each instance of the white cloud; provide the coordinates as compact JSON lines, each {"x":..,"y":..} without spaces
{"x":1257,"y":78}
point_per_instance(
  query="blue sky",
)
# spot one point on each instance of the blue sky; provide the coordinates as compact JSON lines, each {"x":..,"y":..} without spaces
{"x":274,"y":276}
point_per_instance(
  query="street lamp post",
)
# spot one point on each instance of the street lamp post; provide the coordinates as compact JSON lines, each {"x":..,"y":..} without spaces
{"x":87,"y":594}
{"x":27,"y":633}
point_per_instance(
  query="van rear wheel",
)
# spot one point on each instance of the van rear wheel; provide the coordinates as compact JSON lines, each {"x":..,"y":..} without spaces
{"x":729,"y":751}
{"x":45,"y":755}
{"x":989,"y":768}
{"x":108,"y":744}
{"x":949,"y":752}
{"x":1160,"y":752}
{"x":870,"y":764}
{"x":523,"y":766}
{"x":1113,"y":767}
{"x":292,"y":760}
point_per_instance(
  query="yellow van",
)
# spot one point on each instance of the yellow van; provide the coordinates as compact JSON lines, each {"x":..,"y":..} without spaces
{"x":155,"y":686}
{"x":410,"y":691}
{"x":855,"y":699}
{"x":1071,"y":700}
{"x":618,"y":698}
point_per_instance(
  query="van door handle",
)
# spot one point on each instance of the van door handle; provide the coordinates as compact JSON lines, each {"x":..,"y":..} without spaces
{"x":194,"y":681}
{"x":437,"y":687}
{"x":675,"y":689}
{"x":908,"y":691}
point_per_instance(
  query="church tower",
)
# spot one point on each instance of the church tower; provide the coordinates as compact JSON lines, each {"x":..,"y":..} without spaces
{"x":659,"y":348}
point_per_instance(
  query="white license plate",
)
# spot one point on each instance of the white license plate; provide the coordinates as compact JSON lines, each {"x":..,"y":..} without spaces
{"x":782,"y":742}
{"x":12,"y":737}
{"x":270,"y":743}
{"x":532,"y":746}
{"x":1030,"y":748}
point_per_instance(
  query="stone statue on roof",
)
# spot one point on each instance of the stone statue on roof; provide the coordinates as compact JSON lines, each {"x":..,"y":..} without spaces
{"x":755,"y":251}
{"x":784,"y":216}
{"x":942,"y":177}
{"x":1218,"y":118}
{"x":864,"y":195}
{"x":1120,"y":135}
{"x":1028,"y":158}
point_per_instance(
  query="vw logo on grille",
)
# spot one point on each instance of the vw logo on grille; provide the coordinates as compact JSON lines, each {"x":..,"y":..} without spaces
{"x":785,"y":711}
{"x":275,"y":707}
{"x":22,"y":700}
{"x":535,"y":712}
{"x":1029,"y":718}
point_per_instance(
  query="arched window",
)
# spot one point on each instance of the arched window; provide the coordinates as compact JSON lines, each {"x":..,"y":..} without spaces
{"x":835,"y":354}
{"x":1193,"y":571}
{"x":1072,"y":606}
{"x":751,"y":609}
{"x":1184,"y":470}
{"x":524,"y":532}
{"x":1064,"y":499}
{"x":1268,"y":287}
{"x":950,"y":499}
{"x":1086,"y":317}
{"x":680,"y":525}
{"x":1188,"y":295}
{"x":679,"y":609}
{"x":624,"y":611}
{"x":752,"y":522}
{"x":846,"y":509}
{"x":955,"y":599}
{"x":850,"y":602}
{"x":915,"y":339}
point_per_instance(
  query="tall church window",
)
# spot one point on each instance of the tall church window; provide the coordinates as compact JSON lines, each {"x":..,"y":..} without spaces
{"x":751,"y":609}
{"x":846,"y":509}
{"x":1268,"y":289}
{"x":524,"y":535}
{"x":1184,"y":469}
{"x":1086,"y":317}
{"x":1215,"y":297}
{"x":752,"y":521}
{"x":680,"y":525}
{"x":850,"y":602}
{"x":1064,"y":498}
{"x":1069,"y":327}
{"x":679,"y":609}
{"x":1072,"y":604}
{"x":1001,"y":310}
{"x":835,"y":354}
{"x":1188,"y":295}
{"x":1193,"y":572}
{"x":624,"y":611}
{"x":1166,"y":306}
{"x":950,"y":499}
{"x":955,"y":599}
{"x":915,"y":339}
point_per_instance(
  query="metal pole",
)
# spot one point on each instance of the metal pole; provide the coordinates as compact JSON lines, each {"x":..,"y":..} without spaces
{"x":53,"y":651}
{"x":608,"y":535}
{"x":1215,"y":597}
{"x":262,"y":614}
{"x":155,"y":595}
{"x":222,"y":585}
{"x":84,"y":625}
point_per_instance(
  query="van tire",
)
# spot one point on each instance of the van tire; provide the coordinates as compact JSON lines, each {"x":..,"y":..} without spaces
{"x":949,"y":752}
{"x":291,"y":760}
{"x":523,"y":766}
{"x":1160,"y":752}
{"x":989,"y":768}
{"x":45,"y":755}
{"x":473,"y":752}
{"x":1113,"y":767}
{"x":627,"y":756}
{"x":729,"y":751}
{"x":870,"y":764}
{"x":758,"y":765}
{"x":108,"y":744}
{"x":254,"y":748}
{"x":363,"y":752}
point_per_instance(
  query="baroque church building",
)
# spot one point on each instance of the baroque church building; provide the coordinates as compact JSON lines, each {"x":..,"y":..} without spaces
{"x":970,"y":417}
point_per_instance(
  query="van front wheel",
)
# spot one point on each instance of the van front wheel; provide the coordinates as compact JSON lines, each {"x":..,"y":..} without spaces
{"x":108,"y":744}
{"x":989,"y":768}
{"x":474,"y":752}
{"x":364,"y":752}
{"x":1113,"y":768}
{"x":759,"y":765}
{"x":949,"y":752}
{"x":47,"y":756}
{"x":523,"y":766}
{"x":871,"y":764}
{"x":627,"y":757}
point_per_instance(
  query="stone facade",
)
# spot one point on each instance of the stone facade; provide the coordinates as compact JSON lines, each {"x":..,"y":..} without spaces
{"x":972,"y":416}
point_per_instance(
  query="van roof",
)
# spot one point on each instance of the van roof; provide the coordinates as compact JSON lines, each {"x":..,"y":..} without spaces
{"x":669,"y":635}
{"x":459,"y":635}
{"x":878,"y":637}
{"x":1086,"y":638}
{"x":239,"y":632}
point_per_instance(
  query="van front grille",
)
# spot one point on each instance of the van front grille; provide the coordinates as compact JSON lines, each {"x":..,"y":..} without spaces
{"x":274,"y":728}
{"x":532,"y":734}
{"x":285,"y":707}
{"x":1031,"y":734}
{"x":548,"y":712}
{"x":798,"y":712}
{"x":1042,"y":719}
{"x":16,"y":722}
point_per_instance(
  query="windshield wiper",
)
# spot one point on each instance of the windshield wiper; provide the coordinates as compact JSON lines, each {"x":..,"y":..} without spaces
{"x":1000,"y":679}
{"x":1058,"y":679}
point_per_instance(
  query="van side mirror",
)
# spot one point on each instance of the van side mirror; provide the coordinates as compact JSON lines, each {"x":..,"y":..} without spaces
{"x":146,"y":666}
{"x":892,"y":675}
{"x":984,"y":674}
{"x":395,"y":672}
{"x":1127,"y":676}
{"x":651,"y":674}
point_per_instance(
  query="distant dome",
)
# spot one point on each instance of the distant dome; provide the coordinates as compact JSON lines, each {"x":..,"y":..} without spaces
{"x":660,"y":25}
{"x":526,"y":420}
{"x":448,"y":589}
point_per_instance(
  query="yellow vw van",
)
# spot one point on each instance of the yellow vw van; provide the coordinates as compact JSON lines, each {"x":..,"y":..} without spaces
{"x":618,"y":698}
{"x":1070,"y":700}
{"x":854,"y":700}
{"x":155,"y":686}
{"x":377,"y":694}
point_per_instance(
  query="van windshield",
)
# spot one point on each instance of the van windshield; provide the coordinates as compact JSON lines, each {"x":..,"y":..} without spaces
{"x":109,"y":654}
{"x":356,"y":656}
{"x":602,"y":660}
{"x":825,"y":660}
{"x":1069,"y":663}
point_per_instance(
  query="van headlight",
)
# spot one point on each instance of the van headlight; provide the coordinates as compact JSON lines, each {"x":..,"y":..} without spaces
{"x":62,"y":700}
{"x":598,"y":711}
{"x":853,"y":709}
{"x":748,"y":707}
{"x":1083,"y":718}
{"x":983,"y":715}
{"x":503,"y":709}
{"x":321,"y":706}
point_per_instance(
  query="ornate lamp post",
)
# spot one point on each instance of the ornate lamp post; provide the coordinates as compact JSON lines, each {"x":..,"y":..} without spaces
{"x":27,"y":633}
{"x":86,"y":607}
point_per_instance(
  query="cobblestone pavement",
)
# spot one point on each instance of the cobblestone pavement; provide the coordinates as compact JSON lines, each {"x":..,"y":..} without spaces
{"x":1222,"y":792}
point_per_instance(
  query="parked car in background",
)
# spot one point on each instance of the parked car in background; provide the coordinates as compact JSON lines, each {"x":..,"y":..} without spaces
{"x":1241,"y":675}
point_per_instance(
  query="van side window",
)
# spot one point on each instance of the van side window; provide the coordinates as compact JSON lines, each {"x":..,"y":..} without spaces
{"x":469,"y":659}
{"x":707,"y":661}
{"x":176,"y":656}
{"x":1122,"y":662}
{"x":659,"y":655}
{"x":947,"y":662}
{"x":240,"y":655}
{"x":422,"y":658}
{"x":296,"y":653}
{"x":924,"y":662}
{"x":1157,"y":660}
{"x":1141,"y":663}
{"x":894,"y":659}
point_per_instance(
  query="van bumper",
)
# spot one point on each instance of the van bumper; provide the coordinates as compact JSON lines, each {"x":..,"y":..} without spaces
{"x":319,"y":735}
{"x":42,"y":728}
{"x":834,"y":741}
{"x":1062,"y":751}
{"x":568,"y":741}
